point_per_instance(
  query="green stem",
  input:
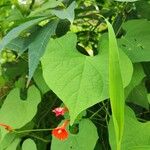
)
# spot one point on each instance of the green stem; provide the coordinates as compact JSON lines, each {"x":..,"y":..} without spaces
{"x":34,"y":130}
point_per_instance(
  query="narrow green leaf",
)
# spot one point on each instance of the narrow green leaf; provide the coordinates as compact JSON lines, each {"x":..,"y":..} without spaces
{"x":17,"y":31}
{"x":38,"y":46}
{"x":20,"y":44}
{"x":116,"y":90}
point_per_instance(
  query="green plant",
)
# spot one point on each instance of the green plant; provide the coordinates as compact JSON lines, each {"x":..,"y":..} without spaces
{"x":74,"y":75}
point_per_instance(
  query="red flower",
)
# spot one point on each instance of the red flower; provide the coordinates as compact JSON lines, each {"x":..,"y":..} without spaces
{"x":61,"y":132}
{"x":60,"y":111}
{"x":7,"y":127}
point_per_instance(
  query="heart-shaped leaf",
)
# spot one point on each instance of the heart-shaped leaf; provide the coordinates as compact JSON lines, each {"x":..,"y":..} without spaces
{"x":80,"y":81}
{"x":16,"y":112}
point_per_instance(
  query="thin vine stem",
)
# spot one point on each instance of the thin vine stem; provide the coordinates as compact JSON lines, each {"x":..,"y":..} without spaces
{"x":33,"y":130}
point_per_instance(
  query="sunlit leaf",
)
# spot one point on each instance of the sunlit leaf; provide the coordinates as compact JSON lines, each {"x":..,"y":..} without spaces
{"x":116,"y":89}
{"x":80,"y":81}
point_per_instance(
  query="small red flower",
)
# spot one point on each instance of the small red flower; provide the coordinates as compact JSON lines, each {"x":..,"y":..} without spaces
{"x":60,"y":111}
{"x":60,"y":132}
{"x":7,"y":127}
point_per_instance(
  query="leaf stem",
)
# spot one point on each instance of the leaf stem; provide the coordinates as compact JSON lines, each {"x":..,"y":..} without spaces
{"x":33,"y":130}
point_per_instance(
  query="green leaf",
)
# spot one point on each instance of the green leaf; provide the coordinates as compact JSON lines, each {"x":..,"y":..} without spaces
{"x":148,"y":96}
{"x":146,"y":147}
{"x":116,"y":89}
{"x":136,"y":134}
{"x":46,"y":6}
{"x":137,"y":77}
{"x":16,"y":112}
{"x":142,"y":8}
{"x":39,"y":80}
{"x":136,"y":41}
{"x":79,"y":80}
{"x":126,"y":0}
{"x":38,"y":45}
{"x":139,"y":96}
{"x":136,"y":91}
{"x":14,"y":144}
{"x":15,"y":14}
{"x":67,"y":13}
{"x":7,"y":140}
{"x":18,"y":44}
{"x":17,"y":31}
{"x":81,"y":141}
{"x":29,"y":145}
{"x":13,"y":70}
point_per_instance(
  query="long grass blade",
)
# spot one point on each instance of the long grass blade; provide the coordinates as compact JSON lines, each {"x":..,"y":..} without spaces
{"x":116,"y":90}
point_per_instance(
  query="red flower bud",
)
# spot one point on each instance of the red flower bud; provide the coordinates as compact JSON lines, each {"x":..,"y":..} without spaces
{"x":60,"y":111}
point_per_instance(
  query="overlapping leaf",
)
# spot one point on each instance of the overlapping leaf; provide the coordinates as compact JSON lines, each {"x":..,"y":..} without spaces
{"x":16,"y":112}
{"x":80,"y":81}
{"x":137,"y":77}
{"x":38,"y":46}
{"x":136,"y":41}
{"x":67,"y":13}
{"x":136,"y":134}
{"x":136,"y":91}
{"x":17,"y":31}
{"x":139,"y":96}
